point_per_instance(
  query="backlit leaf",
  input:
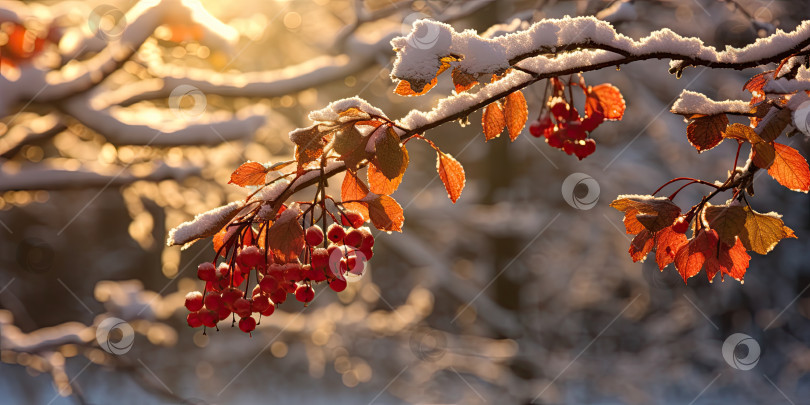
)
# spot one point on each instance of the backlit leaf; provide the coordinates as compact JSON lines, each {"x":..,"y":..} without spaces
{"x":493,"y":121}
{"x":352,"y":189}
{"x":249,"y":174}
{"x":452,"y":174}
{"x":386,"y":214}
{"x":392,"y":159}
{"x":790,"y":169}
{"x":286,"y":236}
{"x":763,"y":231}
{"x":706,"y":132}
{"x":516,"y":113}
{"x":727,"y":221}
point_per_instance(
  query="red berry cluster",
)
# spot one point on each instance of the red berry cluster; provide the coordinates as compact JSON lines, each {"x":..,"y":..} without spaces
{"x":342,"y":252}
{"x":568,"y":131}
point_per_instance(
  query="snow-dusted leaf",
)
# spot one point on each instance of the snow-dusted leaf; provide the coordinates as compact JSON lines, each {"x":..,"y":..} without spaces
{"x":493,"y":121}
{"x":706,"y":132}
{"x":249,"y":174}
{"x":654,"y":213}
{"x":762,"y":232}
{"x":452,"y":174}
{"x":742,"y":133}
{"x":516,"y":113}
{"x":203,"y":225}
{"x":386,"y":214}
{"x":790,"y":168}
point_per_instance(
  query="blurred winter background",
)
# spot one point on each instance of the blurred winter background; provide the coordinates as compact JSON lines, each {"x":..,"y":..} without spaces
{"x":511,"y":295}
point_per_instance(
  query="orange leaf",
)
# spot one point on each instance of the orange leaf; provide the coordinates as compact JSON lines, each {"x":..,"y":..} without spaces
{"x":379,"y":184}
{"x":667,"y":243}
{"x":790,"y":169}
{"x":249,"y":174}
{"x":386,"y":214}
{"x":286,"y":236}
{"x":654,"y":213}
{"x":706,"y":248}
{"x":641,"y":245}
{"x":755,"y":85}
{"x":493,"y":121}
{"x":689,"y":259}
{"x":608,"y":99}
{"x":706,"y":132}
{"x":353,"y":189}
{"x":452,"y":175}
{"x":631,"y":224}
{"x":516,"y":112}
{"x":462,"y":80}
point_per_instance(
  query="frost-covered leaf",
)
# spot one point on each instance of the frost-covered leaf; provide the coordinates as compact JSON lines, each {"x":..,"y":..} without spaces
{"x":286,"y":236}
{"x":654,"y":213}
{"x":706,"y":132}
{"x":386,"y":214}
{"x":452,"y":174}
{"x":249,"y":174}
{"x":742,"y":133}
{"x":763,"y":231}
{"x":309,"y":143}
{"x":790,"y":168}
{"x":516,"y":113}
{"x":203,"y":225}
{"x":493,"y":121}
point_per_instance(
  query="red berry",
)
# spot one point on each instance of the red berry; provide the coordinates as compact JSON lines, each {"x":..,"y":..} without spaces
{"x":354,"y":238}
{"x":247,"y":324}
{"x":335,"y":233}
{"x":337,"y":285}
{"x":279,"y":296}
{"x":260,"y":303}
{"x":304,"y":293}
{"x":367,"y":252}
{"x":314,"y":235}
{"x":269,"y":311}
{"x":268,"y":284}
{"x":213,"y":301}
{"x":223,"y":270}
{"x":250,"y":257}
{"x":352,"y":218}
{"x":207,"y":272}
{"x":194,"y":301}
{"x":368,"y":238}
{"x":242,"y":307}
{"x":230,"y":295}
{"x":320,"y":259}
{"x":193,"y":320}
{"x":223,"y":313}
{"x":208,"y":318}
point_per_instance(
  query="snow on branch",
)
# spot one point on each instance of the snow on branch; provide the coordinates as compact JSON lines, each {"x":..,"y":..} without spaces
{"x":690,"y":103}
{"x":419,"y":53}
{"x":203,"y":225}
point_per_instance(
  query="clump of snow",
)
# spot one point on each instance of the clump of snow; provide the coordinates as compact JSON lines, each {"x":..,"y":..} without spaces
{"x":272,"y":191}
{"x":331,"y":113}
{"x":690,"y":102}
{"x":203,"y":225}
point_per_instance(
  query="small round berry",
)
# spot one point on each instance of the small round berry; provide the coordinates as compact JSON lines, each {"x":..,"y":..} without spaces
{"x":213,"y":301}
{"x":230,"y":295}
{"x":193,"y":320}
{"x":367,"y":253}
{"x":320,"y":259}
{"x":250,"y":257}
{"x":368,"y":239}
{"x":223,"y":271}
{"x":269,"y":311}
{"x":208,"y":318}
{"x":268,"y":284}
{"x":354,"y":238}
{"x":279,"y":296}
{"x":314,"y":235}
{"x":304,"y":293}
{"x":207,"y":272}
{"x":335,"y":233}
{"x":338,"y":284}
{"x":260,"y":303}
{"x":223,"y":313}
{"x":247,"y":324}
{"x":242,"y":307}
{"x":681,"y":225}
{"x":194,"y":301}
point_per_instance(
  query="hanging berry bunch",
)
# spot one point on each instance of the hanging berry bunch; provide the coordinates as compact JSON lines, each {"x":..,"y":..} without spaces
{"x":569,"y":130}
